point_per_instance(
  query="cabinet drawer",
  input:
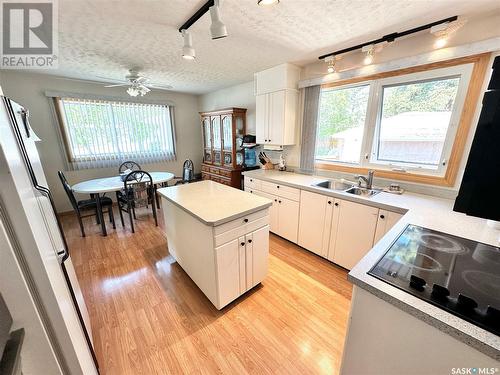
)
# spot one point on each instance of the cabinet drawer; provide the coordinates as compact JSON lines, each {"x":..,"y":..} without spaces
{"x":225,"y":173}
{"x":242,"y":229}
{"x":205,"y":168}
{"x":280,"y":190}
{"x":252,"y":183}
{"x":214,"y":170}
{"x":219,"y":229}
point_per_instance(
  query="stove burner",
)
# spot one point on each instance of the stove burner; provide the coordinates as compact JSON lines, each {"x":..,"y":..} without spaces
{"x":441,"y":243}
{"x":483,"y":282}
{"x":421,"y":262}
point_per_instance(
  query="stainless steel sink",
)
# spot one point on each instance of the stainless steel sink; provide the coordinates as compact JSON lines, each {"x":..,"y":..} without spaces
{"x":334,"y":185}
{"x":362,"y":191}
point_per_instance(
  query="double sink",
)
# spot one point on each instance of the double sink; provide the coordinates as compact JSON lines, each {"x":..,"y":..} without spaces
{"x":347,"y":187}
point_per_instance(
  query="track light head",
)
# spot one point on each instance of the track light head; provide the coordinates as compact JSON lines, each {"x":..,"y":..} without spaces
{"x":217,"y":28}
{"x":331,"y":64}
{"x":370,"y":49}
{"x":188,"y":52}
{"x":267,"y":2}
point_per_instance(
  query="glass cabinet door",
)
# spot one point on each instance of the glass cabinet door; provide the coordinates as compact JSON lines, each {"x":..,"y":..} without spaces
{"x":216,"y":139}
{"x":227,"y":139}
{"x":207,"y":140}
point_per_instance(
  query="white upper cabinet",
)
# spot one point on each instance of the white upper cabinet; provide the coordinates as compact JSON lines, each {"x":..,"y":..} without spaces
{"x":280,"y":77}
{"x":276,"y":105}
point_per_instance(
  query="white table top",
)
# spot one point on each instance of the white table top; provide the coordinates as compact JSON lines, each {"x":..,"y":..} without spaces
{"x":109,"y":184}
{"x":214,"y":203}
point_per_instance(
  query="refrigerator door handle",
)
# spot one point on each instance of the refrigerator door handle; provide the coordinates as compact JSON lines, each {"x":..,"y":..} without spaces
{"x":24,"y":115}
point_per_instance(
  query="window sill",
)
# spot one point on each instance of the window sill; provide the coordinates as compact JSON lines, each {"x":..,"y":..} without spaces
{"x":446,"y":180}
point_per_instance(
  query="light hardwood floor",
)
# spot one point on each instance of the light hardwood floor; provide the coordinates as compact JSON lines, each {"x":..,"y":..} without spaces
{"x":148,"y":317}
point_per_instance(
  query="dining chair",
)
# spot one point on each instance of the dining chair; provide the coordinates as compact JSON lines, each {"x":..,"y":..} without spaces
{"x":137,"y":192}
{"x":129,"y":165}
{"x":86,"y":204}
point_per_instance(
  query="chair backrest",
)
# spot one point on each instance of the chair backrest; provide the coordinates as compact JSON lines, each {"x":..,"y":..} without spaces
{"x":187,"y":170}
{"x":130,"y":165}
{"x":68,"y":190}
{"x":137,"y":186}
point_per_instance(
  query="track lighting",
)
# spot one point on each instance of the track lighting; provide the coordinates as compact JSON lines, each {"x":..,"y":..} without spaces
{"x":217,"y":28}
{"x":267,"y":2}
{"x":331,"y":64}
{"x":187,"y":50}
{"x":443,"y":31}
{"x":369,"y":54}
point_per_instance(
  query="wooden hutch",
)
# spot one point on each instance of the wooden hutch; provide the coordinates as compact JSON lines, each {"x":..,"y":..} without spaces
{"x":223,"y":155}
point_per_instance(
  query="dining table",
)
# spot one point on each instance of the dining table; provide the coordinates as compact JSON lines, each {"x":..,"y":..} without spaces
{"x":97,"y":186}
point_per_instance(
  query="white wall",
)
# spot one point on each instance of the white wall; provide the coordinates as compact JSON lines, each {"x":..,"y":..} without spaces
{"x":28,"y":89}
{"x":241,"y":96}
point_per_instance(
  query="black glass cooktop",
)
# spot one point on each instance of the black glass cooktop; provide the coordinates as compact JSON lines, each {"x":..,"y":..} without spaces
{"x":453,"y":273}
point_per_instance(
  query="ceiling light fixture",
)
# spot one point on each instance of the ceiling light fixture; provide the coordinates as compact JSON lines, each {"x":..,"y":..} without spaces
{"x":445,"y":30}
{"x":331,"y":64}
{"x":267,"y":2}
{"x":187,"y":50}
{"x":389,"y":38}
{"x":217,"y":28}
{"x":370,"y":49}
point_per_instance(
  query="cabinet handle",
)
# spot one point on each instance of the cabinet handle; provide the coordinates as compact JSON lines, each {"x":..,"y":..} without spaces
{"x":275,"y":200}
{"x":242,"y":244}
{"x":329,"y":202}
{"x":336,"y":204}
{"x":251,"y":191}
{"x":251,"y":180}
{"x":249,"y":241}
{"x":278,"y":186}
{"x":279,"y":201}
{"x":382,"y":216}
{"x":245,"y":220}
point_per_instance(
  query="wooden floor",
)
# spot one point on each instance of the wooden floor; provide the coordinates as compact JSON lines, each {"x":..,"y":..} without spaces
{"x":148,"y":317}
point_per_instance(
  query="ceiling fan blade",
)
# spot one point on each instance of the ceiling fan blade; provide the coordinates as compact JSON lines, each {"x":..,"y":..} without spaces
{"x":118,"y":85}
{"x":160,"y":87}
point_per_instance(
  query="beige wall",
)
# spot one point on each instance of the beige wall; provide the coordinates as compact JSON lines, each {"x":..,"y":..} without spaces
{"x":28,"y":89}
{"x":241,"y":96}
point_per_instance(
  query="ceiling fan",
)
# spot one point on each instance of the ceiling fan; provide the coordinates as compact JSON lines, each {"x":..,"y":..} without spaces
{"x":138,"y":85}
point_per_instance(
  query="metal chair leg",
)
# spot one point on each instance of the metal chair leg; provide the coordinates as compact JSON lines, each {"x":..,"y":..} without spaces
{"x":129,"y":206}
{"x":154,"y":211}
{"x":81,"y":223}
{"x":112,"y":216}
{"x":120,"y":210}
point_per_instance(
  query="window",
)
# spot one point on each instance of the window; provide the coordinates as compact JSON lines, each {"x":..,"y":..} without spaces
{"x":100,"y":133}
{"x":341,"y":122}
{"x":403,"y":123}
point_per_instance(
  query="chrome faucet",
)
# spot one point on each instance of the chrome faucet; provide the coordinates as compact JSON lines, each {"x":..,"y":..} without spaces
{"x":368,"y":180}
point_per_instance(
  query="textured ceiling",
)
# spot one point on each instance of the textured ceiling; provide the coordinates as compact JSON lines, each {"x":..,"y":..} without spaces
{"x":104,"y":38}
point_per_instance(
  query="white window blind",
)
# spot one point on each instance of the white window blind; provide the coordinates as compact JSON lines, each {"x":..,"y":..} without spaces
{"x":101,"y":133}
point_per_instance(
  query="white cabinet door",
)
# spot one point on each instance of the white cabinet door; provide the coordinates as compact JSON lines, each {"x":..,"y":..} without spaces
{"x":355,"y":232}
{"x":288,"y":219}
{"x":386,"y":220}
{"x":312,"y":219}
{"x":258,"y":243}
{"x":273,"y":211}
{"x":262,"y":118}
{"x":228,"y":271}
{"x":276,"y":117}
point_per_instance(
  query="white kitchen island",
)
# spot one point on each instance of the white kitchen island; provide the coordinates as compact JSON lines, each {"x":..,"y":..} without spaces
{"x":219,"y":235}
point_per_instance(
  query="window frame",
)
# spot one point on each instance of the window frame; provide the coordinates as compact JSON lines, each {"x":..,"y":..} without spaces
{"x":349,"y":86}
{"x":472,"y":70}
{"x":108,"y":159}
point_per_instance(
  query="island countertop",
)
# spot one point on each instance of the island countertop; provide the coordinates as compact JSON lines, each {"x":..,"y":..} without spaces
{"x":213,"y":203}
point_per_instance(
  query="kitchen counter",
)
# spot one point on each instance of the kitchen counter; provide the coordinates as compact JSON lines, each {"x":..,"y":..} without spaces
{"x":213,"y":203}
{"x":422,"y":210}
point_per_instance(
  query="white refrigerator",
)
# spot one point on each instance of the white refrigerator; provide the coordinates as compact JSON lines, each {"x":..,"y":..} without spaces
{"x":37,"y":278}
